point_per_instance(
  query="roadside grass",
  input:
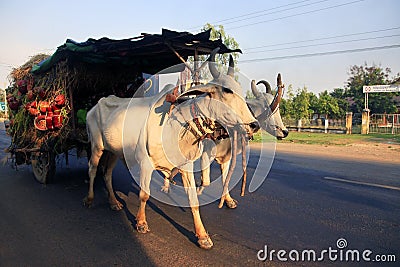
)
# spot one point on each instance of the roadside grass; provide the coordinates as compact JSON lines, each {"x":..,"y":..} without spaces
{"x":331,"y":139}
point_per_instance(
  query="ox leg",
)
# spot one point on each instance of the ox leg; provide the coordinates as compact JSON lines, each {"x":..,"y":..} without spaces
{"x":93,"y":163}
{"x":204,"y":239}
{"x":146,"y":170}
{"x":167,"y":185}
{"x":205,"y":172}
{"x":230,"y":202}
{"x":114,"y":203}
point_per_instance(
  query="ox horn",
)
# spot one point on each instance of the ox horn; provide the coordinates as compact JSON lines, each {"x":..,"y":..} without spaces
{"x":263,"y":116}
{"x":278,"y":96}
{"x":254,"y":90}
{"x":231,"y":68}
{"x":212,"y":65}
{"x":267,"y":86}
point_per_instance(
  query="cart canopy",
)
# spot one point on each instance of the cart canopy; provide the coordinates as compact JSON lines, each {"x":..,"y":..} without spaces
{"x":149,"y":53}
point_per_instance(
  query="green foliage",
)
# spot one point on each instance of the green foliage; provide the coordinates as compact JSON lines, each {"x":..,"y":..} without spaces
{"x":222,"y":60}
{"x":339,"y":94}
{"x":297,"y":106}
{"x":218,"y":32}
{"x":302,"y":104}
{"x":327,"y":105}
{"x":364,"y":75}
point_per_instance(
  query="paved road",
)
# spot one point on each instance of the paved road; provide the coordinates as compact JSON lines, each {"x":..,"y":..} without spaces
{"x":298,"y":207}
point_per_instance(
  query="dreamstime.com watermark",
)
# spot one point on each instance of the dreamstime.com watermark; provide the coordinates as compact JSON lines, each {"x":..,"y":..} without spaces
{"x":340,"y":253}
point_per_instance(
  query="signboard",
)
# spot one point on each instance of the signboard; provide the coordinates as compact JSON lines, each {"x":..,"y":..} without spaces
{"x":381,"y":88}
{"x":2,"y":106}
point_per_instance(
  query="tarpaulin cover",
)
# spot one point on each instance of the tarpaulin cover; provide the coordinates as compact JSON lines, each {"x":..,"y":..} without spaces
{"x":149,"y":53}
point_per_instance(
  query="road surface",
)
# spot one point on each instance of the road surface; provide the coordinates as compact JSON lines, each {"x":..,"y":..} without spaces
{"x":306,"y":203}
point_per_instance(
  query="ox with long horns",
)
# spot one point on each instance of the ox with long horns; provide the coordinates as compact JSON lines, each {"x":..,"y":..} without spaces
{"x":265,"y":108}
{"x":143,"y":140}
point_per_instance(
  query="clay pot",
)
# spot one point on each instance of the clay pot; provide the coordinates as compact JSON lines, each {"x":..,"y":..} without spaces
{"x":33,"y":104}
{"x":43,"y":106}
{"x":27,"y":106}
{"x":33,"y":111}
{"x":30,"y":95}
{"x":30,"y":84}
{"x":60,"y":100}
{"x":14,"y":104}
{"x":57,"y":121}
{"x":22,"y":86}
{"x":49,"y":122}
{"x":56,"y":110}
{"x":40,"y":91}
{"x":40,"y":123}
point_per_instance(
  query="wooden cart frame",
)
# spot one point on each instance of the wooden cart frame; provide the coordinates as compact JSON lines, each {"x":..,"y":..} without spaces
{"x":126,"y":60}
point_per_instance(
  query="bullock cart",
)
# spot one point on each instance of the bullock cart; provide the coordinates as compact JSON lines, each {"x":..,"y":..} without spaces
{"x":49,"y":96}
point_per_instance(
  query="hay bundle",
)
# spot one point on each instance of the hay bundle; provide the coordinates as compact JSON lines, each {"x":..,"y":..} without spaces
{"x":85,"y":83}
{"x":23,"y":72}
{"x":36,"y":114}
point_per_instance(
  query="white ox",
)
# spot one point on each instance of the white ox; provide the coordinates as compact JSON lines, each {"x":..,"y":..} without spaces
{"x":265,"y":108}
{"x":144,"y":138}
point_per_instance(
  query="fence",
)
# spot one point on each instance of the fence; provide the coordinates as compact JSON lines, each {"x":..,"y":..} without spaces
{"x":316,"y":125}
{"x":384,"y":123}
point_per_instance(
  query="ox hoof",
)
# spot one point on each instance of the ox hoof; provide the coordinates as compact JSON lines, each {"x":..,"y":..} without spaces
{"x":87,"y":202}
{"x":205,"y":242}
{"x":232,"y":204}
{"x":116,"y":206}
{"x":143,"y":228}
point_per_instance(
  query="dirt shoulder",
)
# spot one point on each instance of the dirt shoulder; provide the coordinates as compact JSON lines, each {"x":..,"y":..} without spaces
{"x":360,"y":151}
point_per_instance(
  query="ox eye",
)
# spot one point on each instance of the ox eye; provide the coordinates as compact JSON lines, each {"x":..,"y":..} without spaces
{"x":227,"y":90}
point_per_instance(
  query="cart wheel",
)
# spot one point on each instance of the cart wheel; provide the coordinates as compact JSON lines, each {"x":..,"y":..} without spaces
{"x":43,"y":166}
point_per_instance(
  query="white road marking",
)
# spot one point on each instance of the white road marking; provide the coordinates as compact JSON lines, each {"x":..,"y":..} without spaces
{"x":362,"y":183}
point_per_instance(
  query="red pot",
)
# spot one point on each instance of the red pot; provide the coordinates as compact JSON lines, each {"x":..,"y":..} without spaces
{"x":60,"y":100}
{"x":57,"y":121}
{"x":33,"y":111}
{"x":43,"y":106}
{"x":14,"y":105}
{"x":40,"y":91}
{"x":30,"y":95}
{"x":27,"y":106}
{"x":22,"y":86}
{"x":40,"y":123}
{"x":49,"y":122}
{"x":33,"y":104}
{"x":30,"y":84}
{"x":56,"y":111}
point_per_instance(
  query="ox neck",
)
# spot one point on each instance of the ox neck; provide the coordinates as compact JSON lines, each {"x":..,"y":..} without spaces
{"x":196,"y":123}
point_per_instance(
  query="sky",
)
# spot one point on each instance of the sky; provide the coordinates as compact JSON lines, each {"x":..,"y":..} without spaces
{"x":312,"y":43}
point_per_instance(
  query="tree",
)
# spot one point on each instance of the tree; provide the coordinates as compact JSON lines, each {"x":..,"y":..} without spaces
{"x":286,"y":105}
{"x":222,"y":60}
{"x":327,"y":105}
{"x":339,"y":94}
{"x":301,"y":104}
{"x":218,"y":32}
{"x":364,"y":75}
